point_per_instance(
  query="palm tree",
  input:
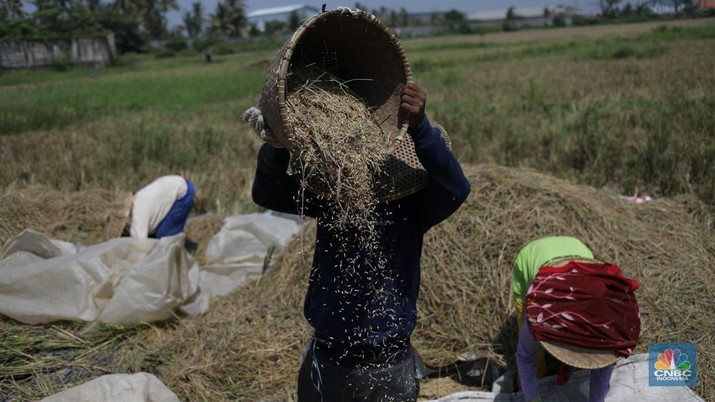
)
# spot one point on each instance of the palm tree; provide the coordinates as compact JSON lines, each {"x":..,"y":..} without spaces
{"x":219,"y":22}
{"x":61,"y":4}
{"x":128,"y":7}
{"x":12,"y":9}
{"x":404,"y":17}
{"x":229,"y":18}
{"x":294,"y":20}
{"x":41,"y":5}
{"x":93,"y":5}
{"x":194,"y":20}
{"x":154,"y":15}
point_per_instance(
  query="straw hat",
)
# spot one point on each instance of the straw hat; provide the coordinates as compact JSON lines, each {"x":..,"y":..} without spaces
{"x":117,"y":215}
{"x":580,"y":357}
{"x":576,"y":356}
{"x":352,"y":45}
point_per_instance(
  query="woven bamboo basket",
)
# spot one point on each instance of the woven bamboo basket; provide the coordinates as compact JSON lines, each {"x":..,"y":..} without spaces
{"x":352,"y":45}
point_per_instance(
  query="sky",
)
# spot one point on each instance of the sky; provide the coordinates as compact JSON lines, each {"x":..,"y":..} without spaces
{"x":465,"y":6}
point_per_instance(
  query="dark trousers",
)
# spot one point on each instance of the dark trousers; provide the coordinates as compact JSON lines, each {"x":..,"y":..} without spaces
{"x":322,"y":379}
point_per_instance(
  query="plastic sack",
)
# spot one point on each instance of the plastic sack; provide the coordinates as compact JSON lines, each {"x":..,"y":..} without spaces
{"x":140,"y":387}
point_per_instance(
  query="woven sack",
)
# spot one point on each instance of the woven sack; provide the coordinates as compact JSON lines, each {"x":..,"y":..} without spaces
{"x":117,"y":216}
{"x":352,"y":45}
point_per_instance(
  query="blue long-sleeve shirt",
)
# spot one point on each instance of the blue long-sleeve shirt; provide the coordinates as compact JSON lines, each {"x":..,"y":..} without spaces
{"x":364,"y":310}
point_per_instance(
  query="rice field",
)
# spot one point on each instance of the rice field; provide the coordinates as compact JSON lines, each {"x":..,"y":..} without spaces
{"x":570,"y":117}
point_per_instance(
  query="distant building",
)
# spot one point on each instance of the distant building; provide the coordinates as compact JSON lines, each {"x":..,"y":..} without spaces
{"x":527,"y":16}
{"x":89,"y":51}
{"x":281,"y":14}
{"x":423,"y":18}
{"x":704,"y":5}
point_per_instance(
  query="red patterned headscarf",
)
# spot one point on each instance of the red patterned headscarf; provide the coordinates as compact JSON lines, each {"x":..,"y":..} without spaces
{"x":586,"y":304}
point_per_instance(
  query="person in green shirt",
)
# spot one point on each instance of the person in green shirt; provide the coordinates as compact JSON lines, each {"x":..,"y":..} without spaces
{"x":529,"y":260}
{"x":537,"y":254}
{"x":582,"y":311}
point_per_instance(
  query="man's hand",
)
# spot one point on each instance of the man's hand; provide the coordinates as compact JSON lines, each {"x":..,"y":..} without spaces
{"x":254,"y":117}
{"x":413,"y":101}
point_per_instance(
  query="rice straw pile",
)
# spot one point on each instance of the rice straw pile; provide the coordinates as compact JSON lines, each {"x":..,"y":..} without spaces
{"x":248,"y":346}
{"x":78,"y":217}
{"x":337,"y":142}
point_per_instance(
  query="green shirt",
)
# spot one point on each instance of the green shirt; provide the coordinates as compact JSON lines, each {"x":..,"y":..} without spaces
{"x":538,"y":253}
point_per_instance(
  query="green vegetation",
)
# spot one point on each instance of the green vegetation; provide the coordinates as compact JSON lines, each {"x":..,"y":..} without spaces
{"x":631,"y":111}
{"x":627,"y":112}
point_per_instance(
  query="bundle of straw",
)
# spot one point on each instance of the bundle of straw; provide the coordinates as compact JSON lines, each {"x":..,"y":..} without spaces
{"x":340,"y":149}
{"x":335,"y":136}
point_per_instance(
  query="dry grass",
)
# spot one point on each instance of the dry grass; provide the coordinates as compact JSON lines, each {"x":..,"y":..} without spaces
{"x":528,"y":98}
{"x":560,"y":80}
{"x":639,"y":124}
{"x":81,"y":216}
{"x":199,"y":231}
{"x":248,"y":345}
{"x":127,"y":151}
{"x":77,"y":217}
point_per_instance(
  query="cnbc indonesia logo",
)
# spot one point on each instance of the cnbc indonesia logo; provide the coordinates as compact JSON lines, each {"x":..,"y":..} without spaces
{"x":674,"y":366}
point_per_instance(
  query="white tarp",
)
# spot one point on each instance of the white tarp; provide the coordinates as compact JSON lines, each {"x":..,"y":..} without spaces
{"x":127,"y":280}
{"x":245,"y":239}
{"x":140,"y":387}
{"x":629,"y":383}
{"x":237,"y":253}
{"x":121,"y":280}
{"x":29,"y":245}
{"x":132,"y":280}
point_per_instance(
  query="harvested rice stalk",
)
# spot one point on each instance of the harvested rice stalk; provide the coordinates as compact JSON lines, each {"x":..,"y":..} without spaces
{"x":339,"y":144}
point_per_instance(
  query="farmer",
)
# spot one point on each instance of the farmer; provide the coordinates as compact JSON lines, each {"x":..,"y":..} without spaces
{"x":583,"y":312}
{"x":363,"y":312}
{"x":161,"y":208}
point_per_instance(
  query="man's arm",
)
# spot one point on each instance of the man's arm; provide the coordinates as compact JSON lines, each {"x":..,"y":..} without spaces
{"x":273,"y":187}
{"x":448,"y":188}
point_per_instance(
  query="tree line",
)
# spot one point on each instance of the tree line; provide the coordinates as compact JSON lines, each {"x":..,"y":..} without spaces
{"x":644,"y":8}
{"x":133,"y":22}
{"x":136,"y":22}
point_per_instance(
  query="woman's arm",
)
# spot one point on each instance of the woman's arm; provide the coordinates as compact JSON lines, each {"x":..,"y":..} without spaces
{"x":600,"y":383}
{"x":527,"y":352}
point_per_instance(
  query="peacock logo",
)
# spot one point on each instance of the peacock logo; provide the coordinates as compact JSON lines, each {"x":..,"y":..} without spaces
{"x":672,"y":359}
{"x":672,"y":364}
